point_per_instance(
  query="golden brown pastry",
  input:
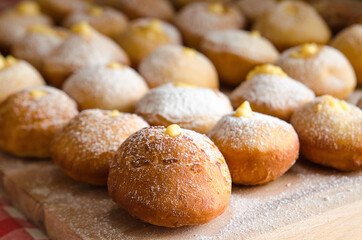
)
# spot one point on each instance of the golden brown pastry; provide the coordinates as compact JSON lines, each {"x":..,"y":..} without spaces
{"x":17,"y":75}
{"x":174,"y":63}
{"x":191,"y":107}
{"x":197,"y":19}
{"x":257,"y":148}
{"x":109,"y":87}
{"x":84,"y":148}
{"x":291,"y":23}
{"x":161,"y":9}
{"x":349,"y":42}
{"x":14,"y":23}
{"x":38,"y":43}
{"x":323,"y":69}
{"x":330,"y":133}
{"x":145,"y":35}
{"x":270,"y":91}
{"x":235,"y":52}
{"x":339,"y":14}
{"x":85,"y":47}
{"x":253,"y":9}
{"x":29,"y":120}
{"x":105,"y":20}
{"x":59,"y":9}
{"x":170,"y":177}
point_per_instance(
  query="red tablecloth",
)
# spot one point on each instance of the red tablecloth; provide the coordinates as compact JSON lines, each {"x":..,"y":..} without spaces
{"x":14,"y":225}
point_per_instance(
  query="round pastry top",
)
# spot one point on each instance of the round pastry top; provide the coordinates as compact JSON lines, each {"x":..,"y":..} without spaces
{"x":97,"y":131}
{"x":245,"y":129}
{"x":249,"y":45}
{"x":150,"y":28}
{"x":189,"y":146}
{"x":201,"y":17}
{"x":170,"y":62}
{"x":274,"y":89}
{"x":179,"y":102}
{"x":45,"y":105}
{"x":109,"y":78}
{"x":329,"y":120}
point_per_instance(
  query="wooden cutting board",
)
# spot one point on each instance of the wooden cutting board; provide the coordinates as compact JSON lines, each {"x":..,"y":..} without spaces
{"x":308,"y":202}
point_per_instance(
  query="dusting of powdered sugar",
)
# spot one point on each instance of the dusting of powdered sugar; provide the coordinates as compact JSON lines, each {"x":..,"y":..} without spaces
{"x":106,"y":88}
{"x":77,"y":52}
{"x":183,"y":105}
{"x":241,"y":43}
{"x":320,"y":123}
{"x":197,"y":19}
{"x":327,"y":72}
{"x":53,"y":109}
{"x":272,"y":91}
{"x":95,"y":132}
{"x":256,"y":132}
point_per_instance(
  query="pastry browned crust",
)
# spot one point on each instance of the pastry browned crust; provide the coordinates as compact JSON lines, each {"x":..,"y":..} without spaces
{"x":330,"y":134}
{"x":170,"y":181}
{"x":258,"y":149}
{"x":28,"y":124}
{"x":349,"y":42}
{"x":85,"y":146}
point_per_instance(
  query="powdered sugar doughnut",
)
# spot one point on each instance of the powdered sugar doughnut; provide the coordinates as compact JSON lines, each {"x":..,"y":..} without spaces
{"x":272,"y":93}
{"x":85,"y":47}
{"x":174,"y":63}
{"x":191,"y":107}
{"x":38,"y":43}
{"x":106,"y":87}
{"x":145,"y":35}
{"x":197,"y":19}
{"x":17,"y":75}
{"x":323,"y":69}
{"x":105,"y":20}
{"x":86,"y":145}
{"x":257,"y":148}
{"x":330,"y":133}
{"x":14,"y":22}
{"x":349,"y":42}
{"x":235,"y":52}
{"x":161,"y":9}
{"x":29,"y":120}
{"x":170,"y":177}
{"x":291,"y":23}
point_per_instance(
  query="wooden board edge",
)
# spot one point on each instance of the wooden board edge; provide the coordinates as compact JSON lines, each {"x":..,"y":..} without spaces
{"x":22,"y":200}
{"x":56,"y":228}
{"x":339,"y":223}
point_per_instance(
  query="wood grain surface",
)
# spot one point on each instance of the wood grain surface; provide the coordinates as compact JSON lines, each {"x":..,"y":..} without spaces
{"x":308,"y":202}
